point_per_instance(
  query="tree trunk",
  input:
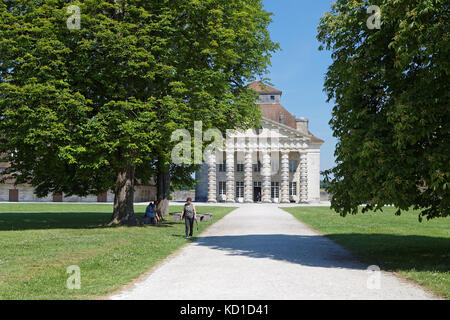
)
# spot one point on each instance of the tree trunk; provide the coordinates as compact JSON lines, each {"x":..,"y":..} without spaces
{"x":123,"y":213}
{"x":163,"y":189}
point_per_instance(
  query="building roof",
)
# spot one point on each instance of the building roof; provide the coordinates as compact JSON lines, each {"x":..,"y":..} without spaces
{"x":4,"y":165}
{"x":260,"y":87}
{"x":274,"y":111}
{"x":315,"y":139}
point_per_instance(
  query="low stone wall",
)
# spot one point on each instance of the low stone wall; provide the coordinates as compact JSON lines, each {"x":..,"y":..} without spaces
{"x":182,"y":195}
{"x":26,"y":194}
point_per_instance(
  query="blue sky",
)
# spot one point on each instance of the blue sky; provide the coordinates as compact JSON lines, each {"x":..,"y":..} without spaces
{"x":299,"y":68}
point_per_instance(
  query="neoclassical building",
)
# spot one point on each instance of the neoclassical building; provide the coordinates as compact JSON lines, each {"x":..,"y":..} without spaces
{"x":279,"y":162}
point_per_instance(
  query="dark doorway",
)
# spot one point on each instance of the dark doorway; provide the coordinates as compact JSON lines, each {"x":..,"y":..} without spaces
{"x":13,"y":195}
{"x":102,"y":197}
{"x":256,"y":194}
{"x":57,"y":197}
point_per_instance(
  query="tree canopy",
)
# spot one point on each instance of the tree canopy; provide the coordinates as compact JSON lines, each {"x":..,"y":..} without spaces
{"x":88,"y":109}
{"x":391,"y":115}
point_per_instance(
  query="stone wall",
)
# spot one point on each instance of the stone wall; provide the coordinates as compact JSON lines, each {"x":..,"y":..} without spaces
{"x":314,"y":175}
{"x":182,"y":195}
{"x":144,"y":193}
{"x":26,"y":194}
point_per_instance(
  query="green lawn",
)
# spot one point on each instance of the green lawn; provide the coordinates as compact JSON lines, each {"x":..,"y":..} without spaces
{"x":39,"y":241}
{"x":418,"y":251}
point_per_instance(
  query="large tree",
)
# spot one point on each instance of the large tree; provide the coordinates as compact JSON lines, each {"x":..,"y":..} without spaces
{"x":88,"y":109}
{"x":390,"y":86}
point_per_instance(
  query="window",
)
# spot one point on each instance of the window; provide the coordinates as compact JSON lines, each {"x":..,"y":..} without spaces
{"x":292,"y":165}
{"x":282,"y":118}
{"x":239,"y":189}
{"x":222,"y":188}
{"x":272,"y":98}
{"x":257,"y":167}
{"x":275,"y":190}
{"x":240,"y":167}
{"x":257,"y":184}
{"x":222,"y":167}
{"x":292,"y":188}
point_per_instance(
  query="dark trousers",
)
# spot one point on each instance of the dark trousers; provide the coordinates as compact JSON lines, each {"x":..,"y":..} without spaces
{"x":189,"y":226}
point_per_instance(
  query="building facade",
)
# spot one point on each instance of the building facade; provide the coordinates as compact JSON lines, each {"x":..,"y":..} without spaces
{"x":25,"y":193}
{"x":279,"y":162}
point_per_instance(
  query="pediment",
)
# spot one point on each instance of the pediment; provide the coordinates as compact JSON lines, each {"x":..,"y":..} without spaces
{"x":284,"y":131}
{"x":283,"y":136}
{"x":272,"y":129}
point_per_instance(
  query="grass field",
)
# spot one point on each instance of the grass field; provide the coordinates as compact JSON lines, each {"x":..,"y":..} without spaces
{"x":418,"y":251}
{"x":39,"y":241}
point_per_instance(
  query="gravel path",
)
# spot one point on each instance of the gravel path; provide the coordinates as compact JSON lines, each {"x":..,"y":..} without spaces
{"x":262,"y":252}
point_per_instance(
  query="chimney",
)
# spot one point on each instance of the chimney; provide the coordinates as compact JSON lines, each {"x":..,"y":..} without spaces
{"x":302,"y":125}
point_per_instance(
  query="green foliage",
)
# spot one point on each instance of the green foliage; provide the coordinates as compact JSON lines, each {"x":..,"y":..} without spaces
{"x":79,"y":105}
{"x":391,"y":116}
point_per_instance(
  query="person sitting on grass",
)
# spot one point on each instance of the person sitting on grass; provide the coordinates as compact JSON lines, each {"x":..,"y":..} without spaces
{"x":150,"y":216}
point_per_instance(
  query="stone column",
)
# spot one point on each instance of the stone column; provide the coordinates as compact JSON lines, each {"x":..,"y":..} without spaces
{"x":303,"y":177}
{"x":248,"y":177}
{"x":230,"y":175}
{"x":212,"y":192}
{"x":285,"y":176}
{"x":266,"y":172}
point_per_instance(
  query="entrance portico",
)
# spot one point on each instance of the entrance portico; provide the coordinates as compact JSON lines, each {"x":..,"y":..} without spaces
{"x":276,"y":163}
{"x":260,"y":176}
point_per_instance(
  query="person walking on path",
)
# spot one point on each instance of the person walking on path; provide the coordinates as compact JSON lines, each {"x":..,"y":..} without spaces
{"x":189,"y":214}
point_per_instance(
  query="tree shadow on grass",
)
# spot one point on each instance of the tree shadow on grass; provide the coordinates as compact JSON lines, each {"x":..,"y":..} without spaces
{"x":399,"y":252}
{"x":390,"y":252}
{"x":17,"y":221}
{"x":165,"y":224}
